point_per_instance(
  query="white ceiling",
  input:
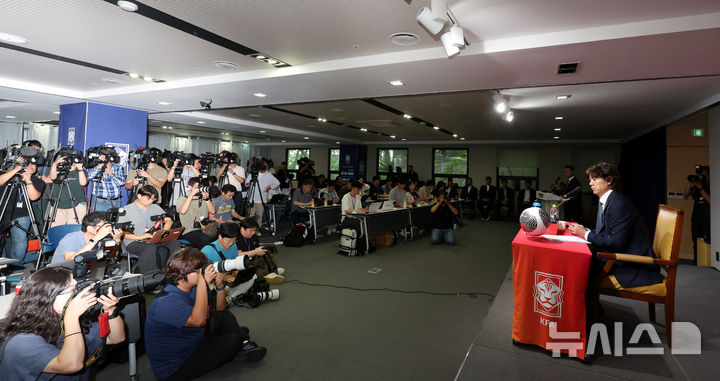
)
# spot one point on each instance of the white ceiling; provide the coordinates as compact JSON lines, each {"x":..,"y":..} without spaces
{"x":642,"y":64}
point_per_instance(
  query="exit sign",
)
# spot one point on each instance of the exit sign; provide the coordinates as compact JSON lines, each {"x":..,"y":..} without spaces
{"x":698,"y":132}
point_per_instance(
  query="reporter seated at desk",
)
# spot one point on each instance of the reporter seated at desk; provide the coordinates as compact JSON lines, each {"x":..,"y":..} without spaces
{"x":619,"y":229}
{"x":376,"y":190}
{"x":329,"y":194}
{"x":93,"y":229}
{"x":175,"y":339}
{"x":397,"y":194}
{"x":302,"y":197}
{"x":17,"y":210}
{"x":139,"y":213}
{"x":443,"y":214}
{"x":42,"y":341}
{"x":352,"y":202}
{"x":411,"y":196}
{"x":192,"y":210}
{"x":426,"y":192}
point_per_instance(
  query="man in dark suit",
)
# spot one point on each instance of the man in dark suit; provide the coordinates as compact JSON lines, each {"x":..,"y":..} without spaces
{"x":505,"y":198}
{"x":487,"y":198}
{"x":573,"y":208}
{"x":526,"y":197}
{"x":619,"y":229}
{"x":469,"y":195}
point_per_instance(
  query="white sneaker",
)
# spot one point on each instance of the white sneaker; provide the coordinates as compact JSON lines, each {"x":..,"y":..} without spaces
{"x":280,"y":271}
{"x":274,"y":278}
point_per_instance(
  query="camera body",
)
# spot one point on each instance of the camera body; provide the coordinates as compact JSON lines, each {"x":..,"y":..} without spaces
{"x":257,"y":164}
{"x":698,"y":177}
{"x":92,"y":156}
{"x":142,"y":157}
{"x":72,"y":157}
{"x":10,"y":155}
{"x":227,"y":157}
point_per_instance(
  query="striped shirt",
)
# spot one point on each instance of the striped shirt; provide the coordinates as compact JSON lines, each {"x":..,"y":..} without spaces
{"x":109,"y":186}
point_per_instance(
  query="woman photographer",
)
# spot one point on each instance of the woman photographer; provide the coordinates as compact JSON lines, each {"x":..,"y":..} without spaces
{"x":42,"y":335}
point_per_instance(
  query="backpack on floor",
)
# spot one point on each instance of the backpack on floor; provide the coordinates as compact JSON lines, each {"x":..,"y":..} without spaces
{"x":351,"y":242}
{"x":297,"y":236}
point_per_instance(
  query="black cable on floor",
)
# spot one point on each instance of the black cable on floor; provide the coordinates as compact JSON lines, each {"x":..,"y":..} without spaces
{"x":473,"y":295}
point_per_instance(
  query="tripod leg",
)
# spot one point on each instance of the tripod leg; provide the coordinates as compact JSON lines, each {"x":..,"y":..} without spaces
{"x":72,"y":199}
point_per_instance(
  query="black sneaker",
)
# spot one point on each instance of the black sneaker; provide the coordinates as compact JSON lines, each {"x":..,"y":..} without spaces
{"x":250,"y":352}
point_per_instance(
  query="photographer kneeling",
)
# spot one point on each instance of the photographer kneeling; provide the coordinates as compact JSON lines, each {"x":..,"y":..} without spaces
{"x":140,"y":214}
{"x":177,"y":344}
{"x":193,"y":211}
{"x":43,"y":337}
{"x":92,"y":231}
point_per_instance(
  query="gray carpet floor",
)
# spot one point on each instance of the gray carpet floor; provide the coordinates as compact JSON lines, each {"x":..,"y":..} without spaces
{"x":335,"y":333}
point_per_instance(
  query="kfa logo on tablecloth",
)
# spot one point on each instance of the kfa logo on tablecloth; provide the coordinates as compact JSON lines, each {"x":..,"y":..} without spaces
{"x":548,"y":294}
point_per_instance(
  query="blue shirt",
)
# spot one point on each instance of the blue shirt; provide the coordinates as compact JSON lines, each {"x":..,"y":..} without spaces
{"x":109,"y":186}
{"x":211,"y":251}
{"x":223,"y":208}
{"x":71,"y":242}
{"x":27,"y":354}
{"x":168,"y":342}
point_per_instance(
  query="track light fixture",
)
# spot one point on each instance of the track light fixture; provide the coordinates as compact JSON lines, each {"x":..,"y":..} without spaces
{"x":435,"y":17}
{"x":509,"y":116}
{"x":453,"y":40}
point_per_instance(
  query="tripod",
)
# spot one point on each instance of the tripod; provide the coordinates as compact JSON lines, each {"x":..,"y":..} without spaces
{"x":177,"y":182}
{"x":53,"y":203}
{"x":250,"y":199}
{"x":15,"y":184}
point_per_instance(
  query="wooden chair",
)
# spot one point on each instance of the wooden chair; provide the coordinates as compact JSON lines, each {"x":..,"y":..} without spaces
{"x":666,"y":245}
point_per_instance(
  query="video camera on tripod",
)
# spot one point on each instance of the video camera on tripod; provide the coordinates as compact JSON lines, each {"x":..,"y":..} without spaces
{"x":93,"y":156}
{"x":256,"y":164}
{"x":185,"y":159}
{"x":142,"y":157}
{"x":71,"y":156}
{"x":206,"y":160}
{"x":227,"y":157}
{"x":10,"y":156}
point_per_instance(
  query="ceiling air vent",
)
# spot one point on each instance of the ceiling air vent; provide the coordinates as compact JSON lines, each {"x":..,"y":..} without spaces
{"x":567,"y":68}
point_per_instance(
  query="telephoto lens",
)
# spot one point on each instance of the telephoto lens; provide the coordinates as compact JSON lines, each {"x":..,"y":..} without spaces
{"x":239,"y":263}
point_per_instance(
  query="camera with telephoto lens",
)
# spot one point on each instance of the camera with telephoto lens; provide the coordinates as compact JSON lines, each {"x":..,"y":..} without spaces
{"x":698,"y":177}
{"x":142,"y":157}
{"x":206,"y":160}
{"x":93,"y":154}
{"x":10,"y":157}
{"x":119,"y":286}
{"x":203,"y":222}
{"x":259,"y":293}
{"x":71,"y":156}
{"x":227,"y":157}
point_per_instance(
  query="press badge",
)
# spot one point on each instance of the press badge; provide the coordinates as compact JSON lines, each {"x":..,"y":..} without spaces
{"x":19,"y":205}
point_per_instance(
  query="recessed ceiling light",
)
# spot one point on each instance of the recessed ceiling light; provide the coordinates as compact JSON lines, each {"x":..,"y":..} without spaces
{"x":262,"y":131}
{"x":165,"y":127}
{"x":392,"y":136}
{"x":56,"y":112}
{"x":454,"y":135}
{"x":283,"y":141}
{"x":509,"y":116}
{"x":228,"y":65}
{"x":10,"y":116}
{"x":500,"y":107}
{"x":127,"y":6}
{"x":201,"y":122}
{"x":403,"y":139}
{"x":556,"y":137}
{"x":407,"y":116}
{"x":7,"y":37}
{"x":245,"y":141}
{"x":147,"y":78}
{"x":462,"y":138}
{"x":559,"y":118}
{"x":363,"y":129}
{"x":164,"y":103}
{"x":260,"y":95}
{"x":111,"y":80}
{"x":306,"y":137}
{"x":404,"y":38}
{"x":133,"y":75}
{"x":169,"y":127}
{"x":396,"y":83}
{"x":254,"y":115}
{"x":565,"y":96}
{"x":558,"y":129}
{"x":337,"y":142}
{"x":436,"y":128}
{"x":272,"y":62}
{"x":267,"y":139}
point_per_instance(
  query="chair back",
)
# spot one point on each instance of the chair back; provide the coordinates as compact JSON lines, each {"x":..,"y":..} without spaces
{"x":56,"y":233}
{"x":668,"y":231}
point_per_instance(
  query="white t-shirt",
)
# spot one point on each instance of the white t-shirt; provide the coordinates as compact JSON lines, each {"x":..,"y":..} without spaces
{"x":238,"y":170}
{"x":351,"y":203}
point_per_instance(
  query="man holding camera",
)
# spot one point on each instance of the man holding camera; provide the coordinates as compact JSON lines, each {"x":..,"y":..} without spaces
{"x":189,"y":171}
{"x":154,"y":174}
{"x":16,"y":211}
{"x":72,"y":206}
{"x":107,"y":189}
{"x":186,"y":333}
{"x":93,"y":230}
{"x":305,"y":169}
{"x":235,"y":177}
{"x":193,"y":210}
{"x":699,"y":190}
{"x":443,"y":218}
{"x":263,"y":183}
{"x":224,"y":206}
{"x":146,"y":216}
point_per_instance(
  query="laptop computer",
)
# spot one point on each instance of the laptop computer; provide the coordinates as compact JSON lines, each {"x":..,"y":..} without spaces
{"x":165,"y":235}
{"x":375,"y":207}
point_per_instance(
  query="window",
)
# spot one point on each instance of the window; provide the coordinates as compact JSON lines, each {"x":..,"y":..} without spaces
{"x":390,"y":158}
{"x":450,"y":163}
{"x":292,"y":155}
{"x":334,"y":163}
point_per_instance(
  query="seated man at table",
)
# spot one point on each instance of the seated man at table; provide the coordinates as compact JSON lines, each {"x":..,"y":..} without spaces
{"x":376,"y":190}
{"x":619,"y":229}
{"x":443,"y":218}
{"x":425,"y":193}
{"x":225,"y":205}
{"x":302,"y":197}
{"x":397,"y":194}
{"x":469,"y":195}
{"x":351,"y":202}
{"x":329,"y":194}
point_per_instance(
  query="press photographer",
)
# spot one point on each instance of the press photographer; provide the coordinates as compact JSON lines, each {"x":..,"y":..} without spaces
{"x":147,"y":171}
{"x":232,"y":173}
{"x":107,"y":177}
{"x":184,"y":167}
{"x":146,"y":216}
{"x":18,"y":188}
{"x":699,"y":190}
{"x":193,"y":211}
{"x":43,"y":336}
{"x":67,"y":196}
{"x":94,"y":230}
{"x":305,"y":169}
{"x":188,"y":331}
{"x":259,"y":184}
